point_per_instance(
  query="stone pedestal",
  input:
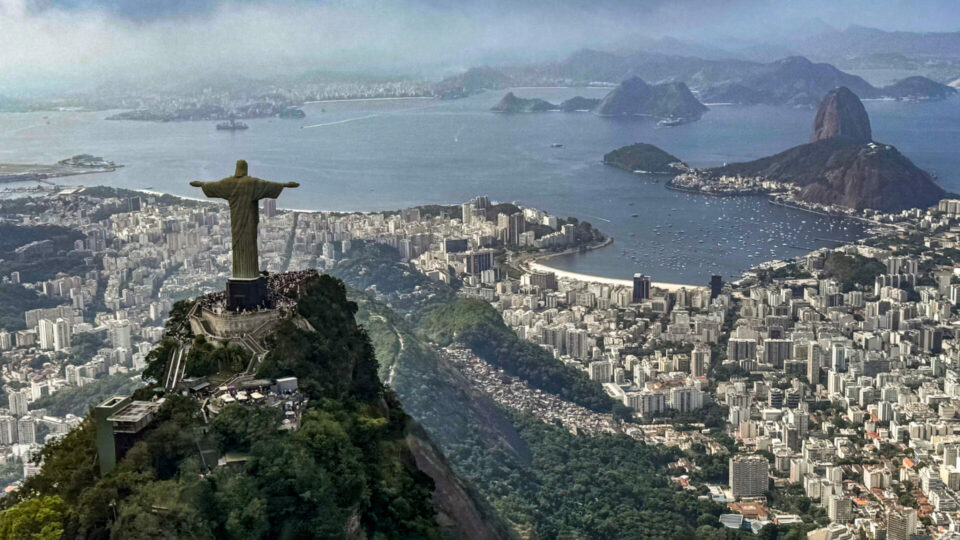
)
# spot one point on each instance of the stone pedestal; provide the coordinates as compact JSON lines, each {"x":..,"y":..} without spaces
{"x":246,"y":294}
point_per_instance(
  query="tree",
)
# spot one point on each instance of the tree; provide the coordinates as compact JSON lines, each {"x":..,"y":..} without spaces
{"x":156,"y":510}
{"x":40,"y":518}
{"x":177,"y":325}
{"x":69,"y":466}
{"x":622,"y":412}
{"x":84,"y":346}
{"x":249,"y":521}
{"x":768,"y":532}
{"x":237,"y":427}
{"x":157,"y":360}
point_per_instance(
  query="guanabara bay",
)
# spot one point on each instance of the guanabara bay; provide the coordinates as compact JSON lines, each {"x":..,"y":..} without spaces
{"x":367,"y":270}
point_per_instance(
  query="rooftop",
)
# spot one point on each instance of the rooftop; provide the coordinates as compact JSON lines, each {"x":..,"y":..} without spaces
{"x":134,"y":416}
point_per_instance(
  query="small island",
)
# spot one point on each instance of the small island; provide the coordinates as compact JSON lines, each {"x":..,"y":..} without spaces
{"x":78,"y":164}
{"x":644,"y":158}
{"x":510,"y":103}
{"x":918,"y":88}
{"x":513,"y":104}
{"x":673,"y":103}
{"x":634,"y":97}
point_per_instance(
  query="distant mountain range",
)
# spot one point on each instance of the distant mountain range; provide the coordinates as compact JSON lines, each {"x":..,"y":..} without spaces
{"x":863,"y":41}
{"x":792,"y":81}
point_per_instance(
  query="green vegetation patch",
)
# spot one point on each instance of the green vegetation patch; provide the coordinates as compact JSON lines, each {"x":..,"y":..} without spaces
{"x":642,"y":157}
{"x":852,"y":271}
{"x":15,"y":299}
{"x":347,"y":471}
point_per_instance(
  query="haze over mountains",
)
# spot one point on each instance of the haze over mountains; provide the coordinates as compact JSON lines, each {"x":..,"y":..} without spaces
{"x":856,"y":40}
{"x":73,"y":44}
{"x":795,"y":80}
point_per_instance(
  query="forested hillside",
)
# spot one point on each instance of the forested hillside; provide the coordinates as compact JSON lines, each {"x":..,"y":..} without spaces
{"x":350,"y":470}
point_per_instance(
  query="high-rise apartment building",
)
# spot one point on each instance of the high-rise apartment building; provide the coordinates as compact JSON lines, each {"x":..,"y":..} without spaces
{"x":641,"y":288}
{"x":901,"y":523}
{"x":749,"y":475}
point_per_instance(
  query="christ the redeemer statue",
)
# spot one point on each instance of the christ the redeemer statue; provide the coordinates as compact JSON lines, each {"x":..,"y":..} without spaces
{"x":243,"y":193}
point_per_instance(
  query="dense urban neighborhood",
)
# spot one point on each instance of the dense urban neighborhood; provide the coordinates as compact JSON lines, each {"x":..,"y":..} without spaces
{"x":819,"y":392}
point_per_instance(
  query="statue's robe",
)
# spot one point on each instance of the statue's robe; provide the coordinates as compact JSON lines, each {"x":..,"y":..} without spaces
{"x":243,"y":193}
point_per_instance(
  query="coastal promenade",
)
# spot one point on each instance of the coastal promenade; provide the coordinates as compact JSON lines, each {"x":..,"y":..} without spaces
{"x":536,"y":263}
{"x":671,"y":287}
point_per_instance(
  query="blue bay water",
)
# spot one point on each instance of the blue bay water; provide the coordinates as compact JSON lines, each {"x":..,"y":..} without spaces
{"x":388,"y":154}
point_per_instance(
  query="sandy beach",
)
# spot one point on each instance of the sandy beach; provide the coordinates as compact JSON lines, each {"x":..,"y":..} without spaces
{"x":537,"y":263}
{"x":671,"y":287}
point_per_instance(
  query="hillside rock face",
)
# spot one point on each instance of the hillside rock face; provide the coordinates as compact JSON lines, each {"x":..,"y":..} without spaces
{"x":841,"y":114}
{"x":838,"y":171}
{"x":877,"y":177}
{"x":634,"y":97}
{"x":458,"y":513}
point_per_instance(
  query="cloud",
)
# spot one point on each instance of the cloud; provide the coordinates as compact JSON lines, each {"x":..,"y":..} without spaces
{"x":245,"y":38}
{"x":43,"y":42}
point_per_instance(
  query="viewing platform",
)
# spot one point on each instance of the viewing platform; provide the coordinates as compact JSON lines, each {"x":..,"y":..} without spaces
{"x":210,"y":317}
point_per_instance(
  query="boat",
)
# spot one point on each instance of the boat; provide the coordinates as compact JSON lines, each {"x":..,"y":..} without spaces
{"x":232,"y":125}
{"x":670,"y":122}
{"x":556,"y":145}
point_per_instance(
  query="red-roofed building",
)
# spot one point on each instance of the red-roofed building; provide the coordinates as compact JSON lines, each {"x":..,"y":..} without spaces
{"x":749,"y":510}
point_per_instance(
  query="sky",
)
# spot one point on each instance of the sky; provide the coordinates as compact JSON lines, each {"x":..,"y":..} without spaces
{"x":49,"y":42}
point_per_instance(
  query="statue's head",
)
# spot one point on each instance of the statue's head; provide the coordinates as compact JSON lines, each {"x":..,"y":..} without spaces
{"x":241,"y":168}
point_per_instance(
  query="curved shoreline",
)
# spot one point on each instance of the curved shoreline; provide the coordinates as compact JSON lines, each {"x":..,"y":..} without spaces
{"x":692,"y":191}
{"x":535,"y":263}
{"x":670,"y":287}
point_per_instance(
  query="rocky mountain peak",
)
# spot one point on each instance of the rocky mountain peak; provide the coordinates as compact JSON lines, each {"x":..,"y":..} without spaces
{"x":841,"y":114}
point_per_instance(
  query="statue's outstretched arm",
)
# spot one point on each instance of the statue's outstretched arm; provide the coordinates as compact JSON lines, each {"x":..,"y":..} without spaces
{"x":265,"y":189}
{"x":277,"y":184}
{"x":217,"y":190}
